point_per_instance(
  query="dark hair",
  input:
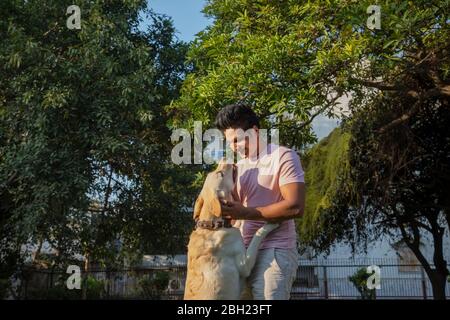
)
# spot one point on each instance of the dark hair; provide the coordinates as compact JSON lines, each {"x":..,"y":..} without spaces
{"x":236,"y":116}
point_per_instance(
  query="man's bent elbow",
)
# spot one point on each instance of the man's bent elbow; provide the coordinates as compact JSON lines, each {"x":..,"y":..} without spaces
{"x":297,"y":211}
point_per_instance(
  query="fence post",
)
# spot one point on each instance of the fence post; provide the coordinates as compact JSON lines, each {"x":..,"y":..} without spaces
{"x":424,"y":284}
{"x":325,"y":281}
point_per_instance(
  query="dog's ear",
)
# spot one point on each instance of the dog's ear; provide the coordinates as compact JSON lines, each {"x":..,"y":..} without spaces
{"x":214,"y":207}
{"x":198,"y":207}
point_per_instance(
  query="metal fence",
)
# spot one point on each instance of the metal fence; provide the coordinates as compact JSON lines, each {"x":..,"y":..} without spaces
{"x":316,"y":279}
{"x":330,"y":279}
{"x":153,"y":282}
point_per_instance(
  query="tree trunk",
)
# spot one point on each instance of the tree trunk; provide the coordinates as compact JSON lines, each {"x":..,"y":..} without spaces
{"x":85,"y":276}
{"x":35,"y":256}
{"x":440,"y":264}
{"x":437,"y":275}
{"x":438,"y":283}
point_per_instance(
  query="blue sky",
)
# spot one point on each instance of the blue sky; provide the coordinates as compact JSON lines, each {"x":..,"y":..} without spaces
{"x":186,"y":15}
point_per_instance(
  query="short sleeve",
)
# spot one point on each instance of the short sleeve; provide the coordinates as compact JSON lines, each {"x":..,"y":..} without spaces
{"x":290,"y":168}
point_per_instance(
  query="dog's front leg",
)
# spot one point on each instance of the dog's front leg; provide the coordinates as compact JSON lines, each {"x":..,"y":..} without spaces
{"x":247,"y":258}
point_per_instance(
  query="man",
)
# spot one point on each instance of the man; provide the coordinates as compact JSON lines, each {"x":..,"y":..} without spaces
{"x":270,"y":187}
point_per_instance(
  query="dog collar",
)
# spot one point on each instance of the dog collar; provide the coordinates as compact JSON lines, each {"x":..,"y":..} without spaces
{"x":213,"y":225}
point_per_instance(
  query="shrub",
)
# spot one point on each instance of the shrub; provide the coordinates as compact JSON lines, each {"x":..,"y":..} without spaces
{"x":359,"y":280}
{"x":152,"y":287}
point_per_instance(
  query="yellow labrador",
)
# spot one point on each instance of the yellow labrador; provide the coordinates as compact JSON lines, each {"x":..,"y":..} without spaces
{"x":218,"y":263}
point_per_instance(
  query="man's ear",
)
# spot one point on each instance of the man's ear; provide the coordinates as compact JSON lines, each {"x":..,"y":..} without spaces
{"x":198,"y":207}
{"x":214,"y":207}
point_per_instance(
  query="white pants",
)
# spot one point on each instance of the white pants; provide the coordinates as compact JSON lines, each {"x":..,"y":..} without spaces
{"x":273,"y":275}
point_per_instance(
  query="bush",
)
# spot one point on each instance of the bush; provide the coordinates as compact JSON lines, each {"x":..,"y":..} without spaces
{"x":95,"y":289}
{"x":4,"y":287}
{"x":153,"y":287}
{"x":60,"y":292}
{"x":359,"y":280}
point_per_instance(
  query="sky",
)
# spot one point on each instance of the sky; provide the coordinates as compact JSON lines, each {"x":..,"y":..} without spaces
{"x":186,"y":15}
{"x":189,"y":20}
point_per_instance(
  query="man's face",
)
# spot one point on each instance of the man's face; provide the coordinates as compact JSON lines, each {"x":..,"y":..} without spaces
{"x":244,"y":143}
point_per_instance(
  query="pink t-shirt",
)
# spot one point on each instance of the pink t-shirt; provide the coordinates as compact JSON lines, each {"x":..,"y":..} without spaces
{"x":258,"y":185}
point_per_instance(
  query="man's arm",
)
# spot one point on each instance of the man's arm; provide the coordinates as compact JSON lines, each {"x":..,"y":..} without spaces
{"x":292,"y":206}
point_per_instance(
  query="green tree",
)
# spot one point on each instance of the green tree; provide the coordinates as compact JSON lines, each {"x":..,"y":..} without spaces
{"x":326,"y":168}
{"x":397,"y":182}
{"x":84,"y":141}
{"x":387,"y":184}
{"x":291,"y":60}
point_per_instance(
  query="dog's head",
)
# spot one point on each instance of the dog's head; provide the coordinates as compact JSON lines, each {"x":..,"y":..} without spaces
{"x":218,"y":185}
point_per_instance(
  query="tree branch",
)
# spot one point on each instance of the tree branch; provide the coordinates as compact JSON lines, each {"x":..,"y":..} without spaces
{"x":414,"y":245}
{"x":403,"y":118}
{"x":432,"y":93}
{"x":315,"y":114}
{"x":378,"y":85}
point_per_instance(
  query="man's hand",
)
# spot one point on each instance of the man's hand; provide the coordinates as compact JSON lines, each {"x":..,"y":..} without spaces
{"x":236,"y":211}
{"x":233,"y":210}
{"x":292,"y":206}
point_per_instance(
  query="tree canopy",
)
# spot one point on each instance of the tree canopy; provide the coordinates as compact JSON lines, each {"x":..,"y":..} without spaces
{"x":292,"y":60}
{"x":84,"y":143}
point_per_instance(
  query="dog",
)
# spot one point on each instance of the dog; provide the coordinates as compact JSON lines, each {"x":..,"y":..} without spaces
{"x":218,"y":262}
